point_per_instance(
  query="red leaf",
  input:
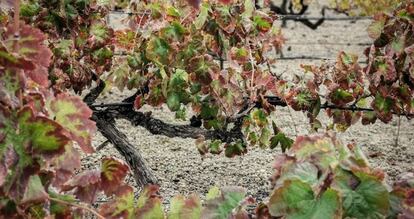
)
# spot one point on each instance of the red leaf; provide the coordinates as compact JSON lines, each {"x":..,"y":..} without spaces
{"x":86,"y":185}
{"x":138,"y":102}
{"x":194,"y":3}
{"x":120,"y":207}
{"x":65,"y":165}
{"x":31,"y":47}
{"x":113,"y":173}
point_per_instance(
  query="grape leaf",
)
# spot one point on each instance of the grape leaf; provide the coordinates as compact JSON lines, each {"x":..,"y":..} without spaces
{"x":65,"y":165}
{"x":74,"y":115}
{"x":368,"y":198}
{"x":86,"y":185}
{"x":149,"y":205}
{"x":233,"y":149}
{"x":375,"y":28}
{"x":31,"y":47}
{"x":296,"y":200}
{"x":284,"y":141}
{"x":122,"y":207}
{"x":58,"y":209}
{"x":158,"y":50}
{"x":138,"y":102}
{"x":99,"y":31}
{"x":26,"y":140}
{"x":173,"y":101}
{"x":221,"y":202}
{"x":383,"y":107}
{"x":125,"y":39}
{"x":182,"y":208}
{"x":202,"y":16}
{"x":35,"y":191}
{"x":113,"y":173}
{"x":11,"y":83}
{"x":340,"y":97}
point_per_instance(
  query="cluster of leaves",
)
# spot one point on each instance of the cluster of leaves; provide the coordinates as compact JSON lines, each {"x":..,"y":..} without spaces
{"x":42,"y":132}
{"x":78,"y":36}
{"x":179,"y":52}
{"x":227,"y":202}
{"x":321,"y":178}
{"x":385,"y":84}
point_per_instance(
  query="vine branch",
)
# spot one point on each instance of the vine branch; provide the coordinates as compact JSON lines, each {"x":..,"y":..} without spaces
{"x":273,"y":100}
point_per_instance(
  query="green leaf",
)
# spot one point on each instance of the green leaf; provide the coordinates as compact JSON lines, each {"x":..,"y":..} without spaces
{"x":364,"y":195}
{"x":58,"y":208}
{"x":46,"y":136}
{"x":99,"y":31}
{"x":260,"y":117}
{"x":208,"y":112}
{"x":233,"y":149}
{"x":120,"y":75}
{"x":175,"y":31}
{"x":383,"y":107}
{"x":149,"y":205}
{"x":173,"y":101}
{"x":74,"y":115}
{"x":375,"y":29}
{"x":261,"y":23}
{"x":248,"y":9}
{"x":213,"y":193}
{"x":63,"y":48}
{"x":369,"y":118}
{"x":172,"y":11}
{"x":215,"y":147}
{"x":178,"y":80}
{"x":340,"y":97}
{"x":296,"y":200}
{"x":264,"y":139}
{"x":304,"y":171}
{"x":158,"y":50}
{"x":181,"y":114}
{"x":25,"y":141}
{"x":123,"y":206}
{"x":29,"y":9}
{"x":221,"y":202}
{"x":398,"y":44}
{"x":202,"y":17}
{"x":284,"y":141}
{"x":182,"y":208}
{"x":35,"y":192}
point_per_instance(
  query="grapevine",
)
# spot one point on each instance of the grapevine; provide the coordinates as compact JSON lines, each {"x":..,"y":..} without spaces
{"x":211,"y":57}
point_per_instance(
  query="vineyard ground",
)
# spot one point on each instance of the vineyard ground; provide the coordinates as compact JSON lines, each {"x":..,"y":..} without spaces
{"x":181,"y":170}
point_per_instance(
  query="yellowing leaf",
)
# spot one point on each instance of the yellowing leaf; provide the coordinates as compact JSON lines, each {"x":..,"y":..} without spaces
{"x":74,"y":115}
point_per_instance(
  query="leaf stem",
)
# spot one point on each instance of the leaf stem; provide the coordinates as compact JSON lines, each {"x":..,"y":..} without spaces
{"x":78,"y":206}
